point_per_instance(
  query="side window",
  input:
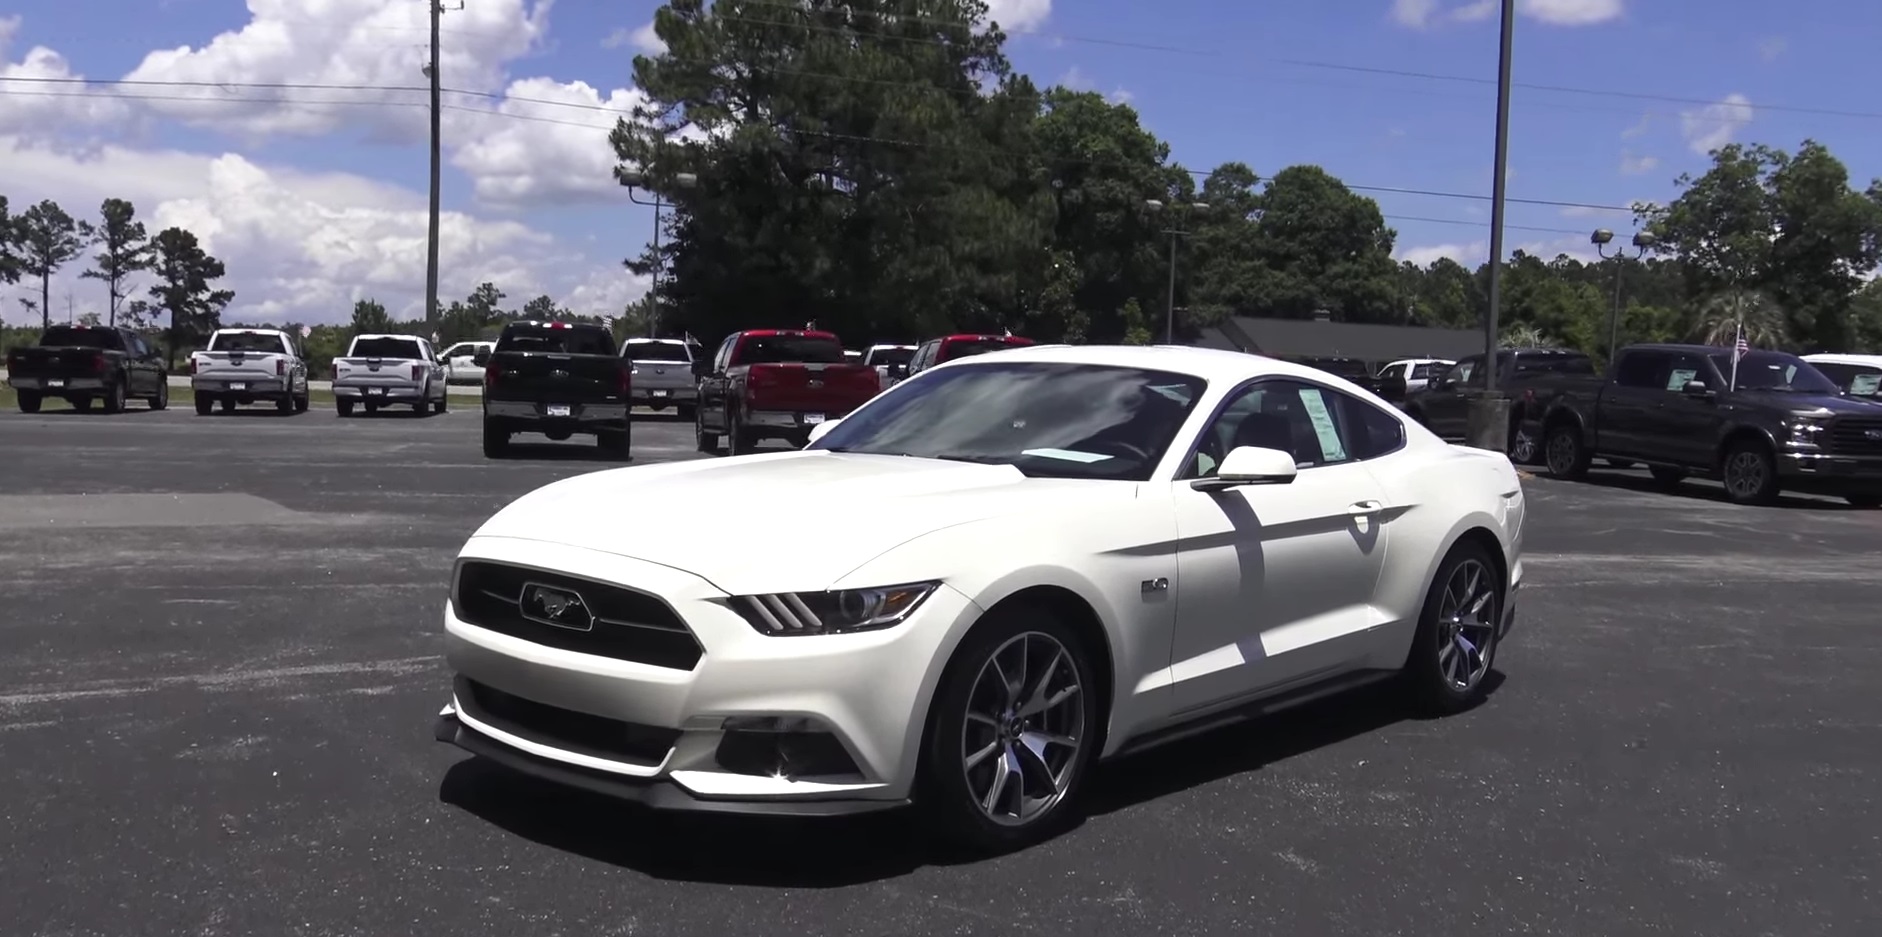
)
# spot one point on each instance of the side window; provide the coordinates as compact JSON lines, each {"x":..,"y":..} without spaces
{"x":1369,"y":431}
{"x":1685,"y":368}
{"x":1643,"y":369}
{"x":1301,"y":419}
{"x":724,"y":355}
{"x":1460,"y":372}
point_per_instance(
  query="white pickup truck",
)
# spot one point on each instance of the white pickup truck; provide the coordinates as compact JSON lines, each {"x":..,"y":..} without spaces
{"x":242,"y":366}
{"x":382,"y":370}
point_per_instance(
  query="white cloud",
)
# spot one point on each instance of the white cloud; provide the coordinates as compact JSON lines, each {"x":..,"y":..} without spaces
{"x":1632,"y":165}
{"x":1645,"y":123}
{"x":1075,"y":79}
{"x":1120,"y":96}
{"x":1773,"y":48}
{"x":32,"y":107}
{"x":1469,"y":254}
{"x":1420,"y":14}
{"x":1416,"y":14}
{"x":341,"y":42}
{"x":531,"y":151}
{"x":1018,"y":15}
{"x":1571,"y":12}
{"x":642,"y":38}
{"x":1480,"y":10}
{"x":1713,"y":126}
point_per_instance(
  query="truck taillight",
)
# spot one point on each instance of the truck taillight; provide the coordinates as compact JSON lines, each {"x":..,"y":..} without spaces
{"x":490,"y":374}
{"x":98,"y":362}
{"x":189,"y":365}
{"x":280,"y":366}
{"x":626,"y":379}
{"x":418,"y":371}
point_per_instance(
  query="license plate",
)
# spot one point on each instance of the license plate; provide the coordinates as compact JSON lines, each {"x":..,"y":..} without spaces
{"x":237,"y":385}
{"x":376,"y":391}
{"x":55,"y":382}
{"x":558,"y":409}
{"x":812,"y":419}
{"x":659,"y":393}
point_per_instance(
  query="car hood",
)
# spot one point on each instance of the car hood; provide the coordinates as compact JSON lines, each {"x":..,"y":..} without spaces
{"x":1813,"y":404}
{"x":793,"y":521}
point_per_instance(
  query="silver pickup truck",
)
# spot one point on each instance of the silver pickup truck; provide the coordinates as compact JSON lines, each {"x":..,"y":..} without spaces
{"x":661,"y":371}
{"x":382,"y":370}
{"x":242,"y":366}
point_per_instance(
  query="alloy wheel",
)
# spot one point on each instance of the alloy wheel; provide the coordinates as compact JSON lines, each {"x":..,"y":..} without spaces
{"x":1561,"y":453}
{"x":1744,"y":474}
{"x":1024,"y":724}
{"x":1522,"y":446}
{"x":1467,"y":619}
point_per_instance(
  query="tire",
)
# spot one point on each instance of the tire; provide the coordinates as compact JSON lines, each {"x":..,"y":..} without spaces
{"x":1523,"y":445}
{"x":444,"y":402}
{"x":684,"y":411}
{"x":30,"y":401}
{"x":284,"y":404}
{"x":1749,"y":473}
{"x":738,"y":439}
{"x":1564,"y":452}
{"x":371,"y":408}
{"x":301,"y":402}
{"x":81,"y":404}
{"x":1666,"y":477}
{"x":952,"y":792}
{"x":115,"y":397}
{"x":702,"y":440}
{"x":161,"y":399}
{"x":613,"y":443}
{"x":1866,"y":500}
{"x":496,"y":441}
{"x":343,"y":406}
{"x":228,"y":404}
{"x":204,"y":404}
{"x":1442,"y":675}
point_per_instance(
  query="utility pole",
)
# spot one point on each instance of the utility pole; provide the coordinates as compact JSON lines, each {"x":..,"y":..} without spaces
{"x":1488,"y":424}
{"x":431,"y":233}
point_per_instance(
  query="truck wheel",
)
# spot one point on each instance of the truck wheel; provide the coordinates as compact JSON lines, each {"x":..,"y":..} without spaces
{"x":738,"y":439}
{"x":343,"y":406}
{"x":228,"y":404}
{"x":204,"y":403}
{"x":613,"y":443}
{"x":300,"y":403}
{"x":702,"y":440}
{"x":284,"y":404}
{"x":161,"y":399}
{"x":1866,"y":500}
{"x":81,"y":404}
{"x":496,"y":441}
{"x":29,"y":401}
{"x":684,"y":411}
{"x":1750,"y":473}
{"x":114,"y":398}
{"x":1522,"y":443}
{"x":444,"y":402}
{"x":1562,"y":447}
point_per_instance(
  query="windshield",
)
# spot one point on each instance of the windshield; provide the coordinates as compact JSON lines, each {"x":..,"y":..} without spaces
{"x":1349,"y":368}
{"x":575,"y":340}
{"x":890,"y":356}
{"x":1774,"y":371}
{"x":1564,"y":363}
{"x":781,"y":349}
{"x":1856,"y":380}
{"x":245,"y":341}
{"x":385,"y":348}
{"x":655,"y":351}
{"x":65,"y":336}
{"x":1049,"y":420}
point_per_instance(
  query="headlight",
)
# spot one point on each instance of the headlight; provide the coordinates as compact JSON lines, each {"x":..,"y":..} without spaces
{"x":1804,"y":432}
{"x":840,"y":612}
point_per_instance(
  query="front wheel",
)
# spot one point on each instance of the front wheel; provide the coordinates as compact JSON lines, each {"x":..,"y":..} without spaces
{"x":1016,"y":721}
{"x":161,"y":399}
{"x":1457,"y":632}
{"x":444,"y":402}
{"x":1567,"y":456}
{"x":1750,"y":474}
{"x":1867,"y":500}
{"x":702,"y":440}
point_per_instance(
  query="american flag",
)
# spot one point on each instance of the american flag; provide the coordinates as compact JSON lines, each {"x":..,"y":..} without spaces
{"x":1741,"y":346}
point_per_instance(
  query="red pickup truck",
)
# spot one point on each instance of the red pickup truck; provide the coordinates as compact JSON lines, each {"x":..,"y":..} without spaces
{"x":776,"y":384}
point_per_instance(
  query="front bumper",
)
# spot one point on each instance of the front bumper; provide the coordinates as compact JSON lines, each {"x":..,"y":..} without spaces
{"x":1830,"y":474}
{"x":862,"y":696}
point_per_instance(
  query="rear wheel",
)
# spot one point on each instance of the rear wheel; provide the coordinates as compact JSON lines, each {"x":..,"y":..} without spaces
{"x":228,"y":404}
{"x":204,"y":403}
{"x":343,"y":406}
{"x":1457,"y":632}
{"x":613,"y":443}
{"x":300,"y":403}
{"x":496,"y":441}
{"x":29,"y":401}
{"x":1523,"y":443}
{"x":1015,"y":723}
{"x":81,"y":404}
{"x":114,"y":397}
{"x":285,"y":404}
{"x":702,"y":440}
{"x":1868,"y":500}
{"x":1563,"y":449}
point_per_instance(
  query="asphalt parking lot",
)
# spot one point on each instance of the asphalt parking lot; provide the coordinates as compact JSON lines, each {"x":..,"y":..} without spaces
{"x":222,"y":665}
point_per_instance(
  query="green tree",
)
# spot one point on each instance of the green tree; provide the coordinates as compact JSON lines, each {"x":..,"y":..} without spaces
{"x":542,"y":308}
{"x":12,"y":263}
{"x":185,"y":287}
{"x":124,"y":249}
{"x":1321,"y":246}
{"x":370,"y":317}
{"x":49,"y":238}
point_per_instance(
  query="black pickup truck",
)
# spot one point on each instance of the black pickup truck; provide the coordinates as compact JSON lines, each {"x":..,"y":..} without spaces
{"x":1776,"y":423}
{"x":557,"y":379}
{"x":83,"y":363}
{"x":1443,"y":405}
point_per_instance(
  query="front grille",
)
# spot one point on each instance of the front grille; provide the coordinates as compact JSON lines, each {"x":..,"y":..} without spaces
{"x":1856,"y":435}
{"x":565,"y":729}
{"x":628,"y":625}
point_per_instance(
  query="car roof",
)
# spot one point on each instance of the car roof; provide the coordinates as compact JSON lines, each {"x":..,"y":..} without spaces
{"x":662,"y":341}
{"x":1210,"y":364}
{"x":388,"y":335}
{"x":1832,"y":358}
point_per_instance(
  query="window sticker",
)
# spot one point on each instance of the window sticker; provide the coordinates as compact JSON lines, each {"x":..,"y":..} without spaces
{"x":1865,"y":385}
{"x":1330,"y":448}
{"x":1680,"y":378}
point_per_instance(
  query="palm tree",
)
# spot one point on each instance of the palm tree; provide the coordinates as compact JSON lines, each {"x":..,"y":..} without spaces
{"x":1523,"y":336}
{"x":1718,"y":318}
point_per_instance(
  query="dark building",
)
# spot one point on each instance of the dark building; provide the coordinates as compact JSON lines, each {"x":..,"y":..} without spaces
{"x":1320,"y":337}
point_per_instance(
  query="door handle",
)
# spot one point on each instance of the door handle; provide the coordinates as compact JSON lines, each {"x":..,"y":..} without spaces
{"x":1365,"y":508}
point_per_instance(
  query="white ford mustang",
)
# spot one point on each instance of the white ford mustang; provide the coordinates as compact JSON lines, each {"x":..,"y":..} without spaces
{"x":978,"y":584}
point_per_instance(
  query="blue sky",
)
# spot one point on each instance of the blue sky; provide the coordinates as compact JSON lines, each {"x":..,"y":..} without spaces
{"x":316,"y":203}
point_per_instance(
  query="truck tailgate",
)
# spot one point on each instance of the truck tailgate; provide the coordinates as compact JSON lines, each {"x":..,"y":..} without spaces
{"x":56,"y":362}
{"x":239,"y":365}
{"x":381,"y":372}
{"x":555,"y":377}
{"x":831,"y":389}
{"x":662,"y":375}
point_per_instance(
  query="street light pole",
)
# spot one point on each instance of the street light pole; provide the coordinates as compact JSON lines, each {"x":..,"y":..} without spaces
{"x":1169,"y":306}
{"x":1489,"y":416}
{"x":1600,"y":239}
{"x":634,"y":179}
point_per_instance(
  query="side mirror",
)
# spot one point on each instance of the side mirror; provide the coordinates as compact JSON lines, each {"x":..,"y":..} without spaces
{"x":1696,"y":389}
{"x":481,"y":357}
{"x":821,"y":430}
{"x":1250,"y":465}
